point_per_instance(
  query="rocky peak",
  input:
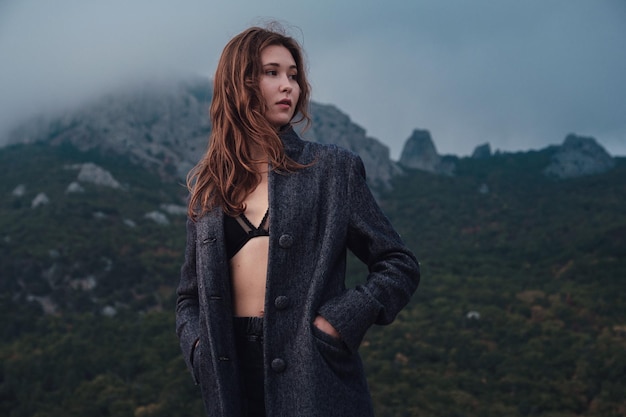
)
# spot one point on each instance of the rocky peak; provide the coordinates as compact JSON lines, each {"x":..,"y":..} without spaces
{"x":579,"y":156}
{"x":419,"y":152}
{"x":482,"y":151}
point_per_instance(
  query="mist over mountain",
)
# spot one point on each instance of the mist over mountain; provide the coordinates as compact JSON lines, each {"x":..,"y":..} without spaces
{"x":165,"y":127}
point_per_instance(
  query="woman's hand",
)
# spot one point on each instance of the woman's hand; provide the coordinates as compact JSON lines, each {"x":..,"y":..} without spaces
{"x":323,"y":324}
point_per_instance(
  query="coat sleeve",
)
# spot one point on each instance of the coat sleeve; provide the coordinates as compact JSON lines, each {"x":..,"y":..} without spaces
{"x":187,"y":303}
{"x":393,"y":269}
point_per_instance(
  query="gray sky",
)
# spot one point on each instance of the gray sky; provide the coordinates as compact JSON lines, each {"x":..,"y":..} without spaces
{"x":517,"y":74}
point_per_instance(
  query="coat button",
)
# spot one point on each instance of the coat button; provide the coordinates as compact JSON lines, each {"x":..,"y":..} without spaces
{"x":281,"y":302}
{"x":285,"y":241}
{"x":278,"y":365}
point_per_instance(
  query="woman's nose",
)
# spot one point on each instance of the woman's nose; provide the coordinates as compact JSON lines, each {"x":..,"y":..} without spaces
{"x":285,"y":85}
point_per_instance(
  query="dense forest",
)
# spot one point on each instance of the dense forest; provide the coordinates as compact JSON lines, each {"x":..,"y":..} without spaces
{"x":521,"y":310}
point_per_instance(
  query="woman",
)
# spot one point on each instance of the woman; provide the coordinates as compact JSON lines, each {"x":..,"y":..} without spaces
{"x":265,"y":322}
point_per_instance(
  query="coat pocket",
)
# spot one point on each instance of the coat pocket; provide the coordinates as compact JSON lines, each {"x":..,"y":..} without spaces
{"x":196,"y":363}
{"x":334,"y":353}
{"x":328,"y":341}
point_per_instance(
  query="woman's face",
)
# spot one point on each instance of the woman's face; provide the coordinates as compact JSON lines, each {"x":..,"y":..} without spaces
{"x":279,"y":85}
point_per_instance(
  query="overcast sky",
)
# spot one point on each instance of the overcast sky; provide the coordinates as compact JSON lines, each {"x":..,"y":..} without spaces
{"x":517,"y":74}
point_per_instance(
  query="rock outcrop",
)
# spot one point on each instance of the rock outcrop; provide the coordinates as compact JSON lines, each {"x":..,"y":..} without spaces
{"x":482,"y":151}
{"x":40,"y":199}
{"x":579,"y":156}
{"x":74,"y":187}
{"x":419,"y":152}
{"x":94,"y":174}
{"x":19,"y":191}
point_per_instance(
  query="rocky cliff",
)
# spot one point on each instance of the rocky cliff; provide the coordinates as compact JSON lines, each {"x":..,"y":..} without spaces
{"x":330,"y":125}
{"x":419,"y":152}
{"x":579,"y":156}
{"x":166,"y":128}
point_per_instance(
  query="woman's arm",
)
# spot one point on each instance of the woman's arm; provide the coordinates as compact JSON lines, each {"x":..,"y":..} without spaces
{"x":393,"y":269}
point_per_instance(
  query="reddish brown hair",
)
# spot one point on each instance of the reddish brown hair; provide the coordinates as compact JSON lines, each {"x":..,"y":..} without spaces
{"x":225,"y":175}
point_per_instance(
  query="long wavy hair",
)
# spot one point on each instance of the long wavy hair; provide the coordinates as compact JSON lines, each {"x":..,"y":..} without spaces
{"x":226,"y":173}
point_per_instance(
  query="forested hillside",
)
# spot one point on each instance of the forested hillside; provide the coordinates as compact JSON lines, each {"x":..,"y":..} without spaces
{"x":521,"y":310}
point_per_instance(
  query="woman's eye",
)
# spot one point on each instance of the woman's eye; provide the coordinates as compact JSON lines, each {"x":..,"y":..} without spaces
{"x":271,"y":72}
{"x":293,"y":77}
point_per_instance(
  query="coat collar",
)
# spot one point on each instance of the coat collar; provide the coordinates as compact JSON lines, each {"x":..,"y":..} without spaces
{"x":292,"y":143}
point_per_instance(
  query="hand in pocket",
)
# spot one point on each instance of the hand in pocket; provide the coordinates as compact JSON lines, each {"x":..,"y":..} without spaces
{"x":322,"y":324}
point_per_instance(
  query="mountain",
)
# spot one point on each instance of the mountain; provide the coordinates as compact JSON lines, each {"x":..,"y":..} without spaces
{"x":520,"y":311}
{"x":578,"y":156}
{"x":166,"y":127}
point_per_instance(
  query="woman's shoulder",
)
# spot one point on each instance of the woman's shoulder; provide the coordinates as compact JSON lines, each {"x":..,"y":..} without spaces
{"x":332,"y":152}
{"x":324,"y":153}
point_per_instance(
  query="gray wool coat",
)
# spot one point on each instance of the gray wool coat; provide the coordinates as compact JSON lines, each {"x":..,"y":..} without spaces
{"x":317,"y":213}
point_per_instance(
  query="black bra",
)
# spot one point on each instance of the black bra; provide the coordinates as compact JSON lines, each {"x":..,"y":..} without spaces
{"x":239,"y":230}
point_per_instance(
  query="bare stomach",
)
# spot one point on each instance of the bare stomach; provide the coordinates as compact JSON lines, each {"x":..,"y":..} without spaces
{"x":248,"y":272}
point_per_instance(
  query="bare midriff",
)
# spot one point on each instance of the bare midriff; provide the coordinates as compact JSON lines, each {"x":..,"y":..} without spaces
{"x":248,"y":271}
{"x":248,"y":268}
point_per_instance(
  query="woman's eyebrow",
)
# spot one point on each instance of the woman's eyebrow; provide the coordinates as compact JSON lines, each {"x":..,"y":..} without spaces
{"x":275,"y":64}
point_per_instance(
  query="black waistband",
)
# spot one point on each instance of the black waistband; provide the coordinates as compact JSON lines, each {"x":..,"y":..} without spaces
{"x":248,"y":326}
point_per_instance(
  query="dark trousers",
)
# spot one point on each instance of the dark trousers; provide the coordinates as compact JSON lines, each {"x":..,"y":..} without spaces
{"x":249,"y":340}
